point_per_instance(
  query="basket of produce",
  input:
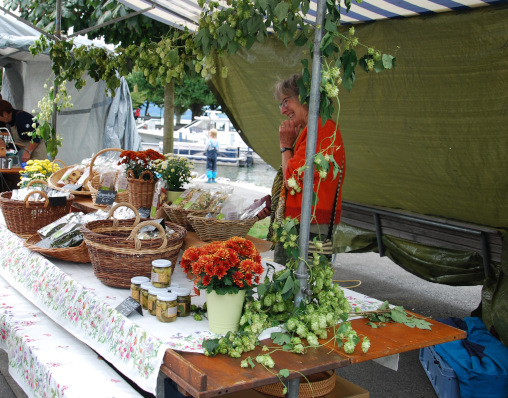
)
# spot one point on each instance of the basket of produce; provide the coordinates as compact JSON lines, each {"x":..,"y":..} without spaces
{"x":212,"y":229}
{"x":76,"y":254}
{"x":120,"y":250}
{"x":24,"y":216}
{"x":63,"y":239}
{"x":316,"y":385}
{"x":108,"y":176}
{"x":70,"y":175}
{"x":194,"y":201}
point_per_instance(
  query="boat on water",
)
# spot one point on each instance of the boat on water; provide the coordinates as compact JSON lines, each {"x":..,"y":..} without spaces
{"x":189,"y":140}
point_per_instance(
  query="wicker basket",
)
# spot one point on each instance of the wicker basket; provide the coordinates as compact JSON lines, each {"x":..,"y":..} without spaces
{"x":57,"y":175}
{"x":93,"y":183}
{"x":317,"y":385}
{"x":140,"y":190}
{"x":117,"y":254}
{"x":77,"y":254}
{"x":25,"y":218}
{"x":211,"y":229}
{"x":179,"y":216}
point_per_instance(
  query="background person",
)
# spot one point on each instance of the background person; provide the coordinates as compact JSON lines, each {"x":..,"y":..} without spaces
{"x":287,"y":202}
{"x":20,"y":123}
{"x":212,"y":150}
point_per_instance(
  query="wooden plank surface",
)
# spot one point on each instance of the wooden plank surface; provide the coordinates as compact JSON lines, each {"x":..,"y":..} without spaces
{"x":396,"y":338}
{"x":224,"y":374}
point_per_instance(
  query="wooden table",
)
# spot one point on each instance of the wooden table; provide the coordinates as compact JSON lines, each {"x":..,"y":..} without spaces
{"x":204,"y":377}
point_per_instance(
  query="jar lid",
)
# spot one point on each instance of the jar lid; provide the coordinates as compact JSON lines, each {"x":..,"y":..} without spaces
{"x":161,"y":263}
{"x":174,"y":285}
{"x":137,"y":280}
{"x":146,"y":285}
{"x":166,"y":296}
{"x":181,"y":291}
{"x":157,"y":290}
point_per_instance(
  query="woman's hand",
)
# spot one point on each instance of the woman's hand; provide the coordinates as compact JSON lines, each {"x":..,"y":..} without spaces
{"x":288,"y":132}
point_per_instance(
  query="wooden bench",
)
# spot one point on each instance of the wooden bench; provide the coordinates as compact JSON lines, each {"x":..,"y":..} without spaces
{"x":426,"y":230}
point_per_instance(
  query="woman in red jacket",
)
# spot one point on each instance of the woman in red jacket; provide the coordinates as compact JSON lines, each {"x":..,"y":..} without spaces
{"x":293,"y":146}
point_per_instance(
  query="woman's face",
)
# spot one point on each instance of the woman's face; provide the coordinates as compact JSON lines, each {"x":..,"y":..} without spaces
{"x":291,"y":107}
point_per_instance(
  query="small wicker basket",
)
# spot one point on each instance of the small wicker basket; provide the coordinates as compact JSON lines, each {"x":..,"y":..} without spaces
{"x":180,"y":216}
{"x":94,"y":181}
{"x":25,"y":218}
{"x":211,"y":229}
{"x":57,"y":175}
{"x":317,"y":385}
{"x":117,"y":254}
{"x":140,"y":190}
{"x":77,"y":254}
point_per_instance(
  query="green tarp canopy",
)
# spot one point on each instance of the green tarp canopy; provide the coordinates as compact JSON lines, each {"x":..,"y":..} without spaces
{"x":428,"y":137}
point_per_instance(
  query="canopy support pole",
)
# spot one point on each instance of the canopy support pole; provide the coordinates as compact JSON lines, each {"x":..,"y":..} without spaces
{"x":308,"y":183}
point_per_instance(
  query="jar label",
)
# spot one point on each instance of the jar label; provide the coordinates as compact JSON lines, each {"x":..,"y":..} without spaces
{"x":172,"y":311}
{"x":155,"y":277}
{"x":150,"y":304}
{"x":135,"y":295}
{"x":158,"y":311}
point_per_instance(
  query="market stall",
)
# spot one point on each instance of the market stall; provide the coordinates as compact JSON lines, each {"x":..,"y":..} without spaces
{"x":72,"y":297}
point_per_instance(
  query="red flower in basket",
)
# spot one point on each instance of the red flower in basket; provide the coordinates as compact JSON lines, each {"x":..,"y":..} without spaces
{"x":223,"y":267}
{"x":139,"y":161}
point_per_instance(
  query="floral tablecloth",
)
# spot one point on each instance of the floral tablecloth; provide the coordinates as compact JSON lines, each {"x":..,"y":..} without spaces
{"x":45,"y":360}
{"x":134,"y":351}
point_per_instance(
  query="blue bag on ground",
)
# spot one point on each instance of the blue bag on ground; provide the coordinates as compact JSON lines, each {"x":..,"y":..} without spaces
{"x":480,"y":361}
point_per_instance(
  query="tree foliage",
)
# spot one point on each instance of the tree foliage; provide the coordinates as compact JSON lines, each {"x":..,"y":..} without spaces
{"x":82,"y":14}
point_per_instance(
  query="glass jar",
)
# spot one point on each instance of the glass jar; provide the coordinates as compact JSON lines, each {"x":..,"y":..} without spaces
{"x":183,"y":300}
{"x":166,"y":307}
{"x":161,"y":273}
{"x":143,"y":297}
{"x":136,"y":286}
{"x":152,"y":298}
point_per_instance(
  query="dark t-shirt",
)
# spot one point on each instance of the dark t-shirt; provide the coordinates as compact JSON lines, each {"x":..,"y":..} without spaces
{"x":23,"y":122}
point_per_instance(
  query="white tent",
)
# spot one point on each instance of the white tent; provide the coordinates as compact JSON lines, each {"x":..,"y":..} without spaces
{"x":96,"y":121}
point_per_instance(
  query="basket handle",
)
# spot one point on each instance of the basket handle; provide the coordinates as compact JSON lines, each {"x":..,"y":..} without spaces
{"x":37,"y":182}
{"x":100,"y":153}
{"x":134,"y":234}
{"x":115,"y":221}
{"x":27,"y":203}
{"x":54,"y":162}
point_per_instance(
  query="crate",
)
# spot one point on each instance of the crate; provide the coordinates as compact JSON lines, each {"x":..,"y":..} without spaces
{"x":441,"y":375}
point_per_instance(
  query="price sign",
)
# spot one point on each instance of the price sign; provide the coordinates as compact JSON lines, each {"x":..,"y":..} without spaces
{"x":105,"y":197}
{"x":57,"y":200}
{"x":129,"y":305}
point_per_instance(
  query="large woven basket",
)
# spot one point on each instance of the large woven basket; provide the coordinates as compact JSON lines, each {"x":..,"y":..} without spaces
{"x":317,"y":385}
{"x":57,"y":175}
{"x":25,"y":217}
{"x":117,"y":254}
{"x":140,"y":190}
{"x":77,"y":254}
{"x":180,"y":216}
{"x":93,"y":183}
{"x":211,"y":229}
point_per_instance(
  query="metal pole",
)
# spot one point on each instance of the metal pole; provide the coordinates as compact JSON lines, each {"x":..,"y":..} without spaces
{"x":58,"y":34}
{"x":308,"y":182}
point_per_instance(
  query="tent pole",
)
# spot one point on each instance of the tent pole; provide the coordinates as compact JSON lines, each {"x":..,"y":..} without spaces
{"x":308,"y":183}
